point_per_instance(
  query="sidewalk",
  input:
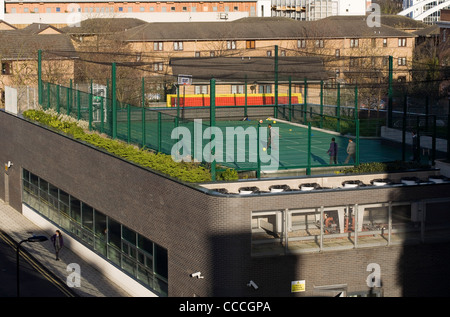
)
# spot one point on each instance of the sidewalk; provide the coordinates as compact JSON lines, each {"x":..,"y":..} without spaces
{"x":93,"y":283}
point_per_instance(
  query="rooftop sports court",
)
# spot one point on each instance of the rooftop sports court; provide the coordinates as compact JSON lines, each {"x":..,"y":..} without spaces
{"x":303,"y":130}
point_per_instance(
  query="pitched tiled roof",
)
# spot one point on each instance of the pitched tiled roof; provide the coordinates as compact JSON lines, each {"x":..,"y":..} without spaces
{"x":103,"y":25}
{"x":260,"y":28}
{"x":20,"y":44}
{"x":229,"y":69}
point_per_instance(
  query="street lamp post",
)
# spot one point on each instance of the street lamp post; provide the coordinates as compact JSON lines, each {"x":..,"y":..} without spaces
{"x":31,"y":239}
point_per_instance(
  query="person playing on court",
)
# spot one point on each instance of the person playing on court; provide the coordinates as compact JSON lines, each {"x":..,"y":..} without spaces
{"x":269,"y":137}
{"x":332,"y":151}
{"x":351,"y":151}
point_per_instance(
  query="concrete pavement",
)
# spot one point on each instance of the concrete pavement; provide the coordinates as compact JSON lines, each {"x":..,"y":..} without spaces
{"x":92,"y":284}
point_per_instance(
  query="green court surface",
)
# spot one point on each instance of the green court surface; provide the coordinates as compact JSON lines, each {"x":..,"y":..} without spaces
{"x":291,"y":152}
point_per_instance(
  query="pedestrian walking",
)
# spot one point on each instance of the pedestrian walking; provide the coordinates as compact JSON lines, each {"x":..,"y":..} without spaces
{"x":351,"y":151}
{"x":332,"y":151}
{"x":58,"y":243}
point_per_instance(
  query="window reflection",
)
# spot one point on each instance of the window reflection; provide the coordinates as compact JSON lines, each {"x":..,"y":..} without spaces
{"x":125,"y":248}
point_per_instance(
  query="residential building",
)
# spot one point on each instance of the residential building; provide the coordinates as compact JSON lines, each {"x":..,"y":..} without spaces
{"x":343,"y":42}
{"x":311,"y":10}
{"x":428,"y":11}
{"x":63,"y":13}
{"x":19,"y":55}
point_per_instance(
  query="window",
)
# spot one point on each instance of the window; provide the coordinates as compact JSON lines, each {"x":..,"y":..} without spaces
{"x":158,"y":66}
{"x":250,"y":44}
{"x":237,"y":89}
{"x":58,"y":9}
{"x":235,"y":8}
{"x":337,"y":52}
{"x":354,"y":42}
{"x":231,"y":45}
{"x":374,"y":42}
{"x":402,"y":42}
{"x":184,"y":9}
{"x":172,"y":9}
{"x":269,"y":53}
{"x":6,"y":68}
{"x":197,"y":54}
{"x":157,"y":46}
{"x":142,"y":9}
{"x":283,"y":53}
{"x":402,"y":61}
{"x":319,"y":43}
{"x":177,"y":46}
{"x":301,"y":43}
{"x":385,"y":43}
{"x":13,"y":10}
{"x":26,"y":10}
{"x":120,"y":9}
{"x":353,"y":62}
{"x":212,"y":54}
{"x":200,"y":89}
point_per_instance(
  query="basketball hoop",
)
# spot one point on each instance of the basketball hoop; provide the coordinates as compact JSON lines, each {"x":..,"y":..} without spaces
{"x":184,"y":80}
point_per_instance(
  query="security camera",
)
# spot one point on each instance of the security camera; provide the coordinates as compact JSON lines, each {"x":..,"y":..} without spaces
{"x":196,"y":274}
{"x":252,"y":284}
{"x":9,"y":164}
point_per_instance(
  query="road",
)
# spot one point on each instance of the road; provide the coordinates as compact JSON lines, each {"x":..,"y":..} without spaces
{"x":35,"y":280}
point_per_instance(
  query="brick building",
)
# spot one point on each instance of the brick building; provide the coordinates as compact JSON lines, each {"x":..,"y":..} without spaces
{"x":154,"y":232}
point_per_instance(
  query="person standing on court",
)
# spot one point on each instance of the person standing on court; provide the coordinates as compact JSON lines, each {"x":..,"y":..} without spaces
{"x":332,"y":151}
{"x":58,"y":243}
{"x":269,"y":137}
{"x":351,"y":151}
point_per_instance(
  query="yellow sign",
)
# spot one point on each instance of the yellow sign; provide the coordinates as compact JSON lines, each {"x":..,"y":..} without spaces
{"x":297,"y":286}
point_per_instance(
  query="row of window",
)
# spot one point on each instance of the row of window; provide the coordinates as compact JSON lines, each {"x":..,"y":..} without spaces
{"x":354,"y":43}
{"x":120,"y":9}
{"x":350,"y":226}
{"x":134,"y":254}
{"x":235,"y":89}
{"x":250,"y":44}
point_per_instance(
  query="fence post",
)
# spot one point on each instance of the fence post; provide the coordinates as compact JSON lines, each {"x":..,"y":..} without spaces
{"x":143,"y":127}
{"x":276,"y":82}
{"x":338,"y":108}
{"x":159,"y":132}
{"x":91,"y":104}
{"x":78,"y":105}
{"x":114,"y":101}
{"x":308,"y":166}
{"x":305,"y":102}
{"x":212,"y":122}
{"x":357,"y":142}
{"x":128,"y":123}
{"x":321,"y":104}
{"x":258,"y":156}
{"x":290,"y":98}
{"x":245,"y":89}
{"x":48,"y":96}
{"x":70,"y":95}
{"x":40,"y":77}
{"x":57,"y":98}
{"x":356,"y":103}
